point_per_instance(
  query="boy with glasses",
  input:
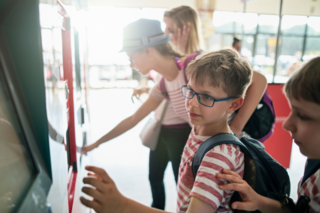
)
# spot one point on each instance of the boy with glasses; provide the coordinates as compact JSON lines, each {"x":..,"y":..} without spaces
{"x":218,"y":82}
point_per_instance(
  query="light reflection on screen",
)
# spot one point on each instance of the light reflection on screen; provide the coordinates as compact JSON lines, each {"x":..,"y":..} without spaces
{"x":17,"y":169}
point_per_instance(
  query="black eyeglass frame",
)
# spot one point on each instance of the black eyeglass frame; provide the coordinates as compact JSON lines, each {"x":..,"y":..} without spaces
{"x":207,"y":96}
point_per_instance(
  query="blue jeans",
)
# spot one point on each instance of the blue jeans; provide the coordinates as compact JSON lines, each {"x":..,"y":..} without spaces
{"x":169,"y":148}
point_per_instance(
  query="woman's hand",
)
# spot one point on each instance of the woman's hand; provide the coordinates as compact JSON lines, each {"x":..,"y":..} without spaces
{"x":138,"y":92}
{"x":106,"y":197}
{"x":250,"y":198}
{"x":181,"y":38}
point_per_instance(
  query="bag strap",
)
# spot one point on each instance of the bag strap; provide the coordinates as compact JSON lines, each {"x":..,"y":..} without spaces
{"x":313,"y":165}
{"x":163,"y":89}
{"x":222,"y":138}
{"x":180,"y":66}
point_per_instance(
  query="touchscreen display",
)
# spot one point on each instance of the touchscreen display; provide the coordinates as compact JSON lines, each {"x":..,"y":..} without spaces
{"x":17,"y":169}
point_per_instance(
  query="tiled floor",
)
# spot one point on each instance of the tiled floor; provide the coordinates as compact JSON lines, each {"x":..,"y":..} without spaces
{"x":126,"y":160}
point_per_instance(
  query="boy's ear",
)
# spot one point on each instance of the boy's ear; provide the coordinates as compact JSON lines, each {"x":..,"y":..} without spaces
{"x":235,"y":104}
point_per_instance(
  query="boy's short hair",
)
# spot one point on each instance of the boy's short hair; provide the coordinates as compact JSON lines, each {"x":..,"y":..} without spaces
{"x":223,"y":68}
{"x":305,"y":82}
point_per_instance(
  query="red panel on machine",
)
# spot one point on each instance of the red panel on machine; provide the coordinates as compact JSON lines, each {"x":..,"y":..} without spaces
{"x":280,"y":143}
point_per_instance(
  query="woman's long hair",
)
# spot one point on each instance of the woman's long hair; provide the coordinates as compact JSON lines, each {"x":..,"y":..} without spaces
{"x":182,"y":16}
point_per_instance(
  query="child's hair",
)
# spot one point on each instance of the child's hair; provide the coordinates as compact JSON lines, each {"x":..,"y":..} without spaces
{"x":166,"y":50}
{"x":235,"y":41}
{"x":305,"y":82}
{"x":182,"y":16}
{"x":223,"y":68}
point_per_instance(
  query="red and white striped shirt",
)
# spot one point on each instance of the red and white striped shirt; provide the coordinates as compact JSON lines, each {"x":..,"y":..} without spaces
{"x":206,"y":185}
{"x":311,"y":188}
{"x":174,"y":90}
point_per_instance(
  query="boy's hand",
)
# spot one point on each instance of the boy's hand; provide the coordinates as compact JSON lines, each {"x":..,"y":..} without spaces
{"x":106,"y":197}
{"x":250,"y":198}
{"x":88,"y":148}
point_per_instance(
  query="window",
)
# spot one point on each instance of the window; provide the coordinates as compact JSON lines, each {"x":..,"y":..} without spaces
{"x":223,"y":22}
{"x":312,"y":48}
{"x":293,"y":25}
{"x":313,"y":26}
{"x":299,"y":40}
{"x":268,"y":24}
{"x":263,"y":59}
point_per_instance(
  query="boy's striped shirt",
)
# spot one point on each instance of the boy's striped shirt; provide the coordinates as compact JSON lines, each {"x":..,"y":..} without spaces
{"x":311,"y":188}
{"x":206,"y":185}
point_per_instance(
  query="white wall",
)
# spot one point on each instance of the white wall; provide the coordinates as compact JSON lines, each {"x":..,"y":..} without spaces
{"x":144,"y":3}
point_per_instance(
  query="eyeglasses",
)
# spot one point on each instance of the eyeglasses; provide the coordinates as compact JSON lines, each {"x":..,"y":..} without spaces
{"x":131,"y":57}
{"x":203,"y":99}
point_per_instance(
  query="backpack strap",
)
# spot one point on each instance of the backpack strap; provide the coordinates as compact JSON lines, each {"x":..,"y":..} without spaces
{"x":164,"y":89}
{"x":222,"y":138}
{"x":186,"y":62}
{"x":181,"y":66}
{"x":313,"y":165}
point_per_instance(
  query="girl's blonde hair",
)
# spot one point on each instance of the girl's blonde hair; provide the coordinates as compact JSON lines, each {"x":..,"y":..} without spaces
{"x":182,"y":16}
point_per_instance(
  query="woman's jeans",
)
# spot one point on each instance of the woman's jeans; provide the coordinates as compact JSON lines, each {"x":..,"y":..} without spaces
{"x":169,"y":148}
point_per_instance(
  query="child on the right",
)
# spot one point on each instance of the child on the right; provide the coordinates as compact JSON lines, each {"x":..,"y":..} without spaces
{"x":303,"y":93}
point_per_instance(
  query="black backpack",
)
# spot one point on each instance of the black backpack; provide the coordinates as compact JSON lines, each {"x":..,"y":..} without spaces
{"x":263,"y":173}
{"x":260,"y":125}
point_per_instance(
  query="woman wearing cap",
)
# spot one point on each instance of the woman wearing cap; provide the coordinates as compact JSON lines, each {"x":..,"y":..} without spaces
{"x":182,"y":23}
{"x":147,"y":47}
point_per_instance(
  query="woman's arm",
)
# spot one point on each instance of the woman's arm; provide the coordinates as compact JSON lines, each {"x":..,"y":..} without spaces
{"x":251,"y":100}
{"x":150,"y":105}
{"x":251,"y":201}
{"x":106,"y":197}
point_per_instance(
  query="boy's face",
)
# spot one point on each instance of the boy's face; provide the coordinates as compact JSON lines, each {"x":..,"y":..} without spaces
{"x":304,"y":125}
{"x":203,"y":115}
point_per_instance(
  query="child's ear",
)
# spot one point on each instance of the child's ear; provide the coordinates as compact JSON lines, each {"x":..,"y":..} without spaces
{"x":235,"y":104}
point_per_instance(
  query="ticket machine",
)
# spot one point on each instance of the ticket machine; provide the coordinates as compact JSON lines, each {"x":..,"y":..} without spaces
{"x":43,"y":117}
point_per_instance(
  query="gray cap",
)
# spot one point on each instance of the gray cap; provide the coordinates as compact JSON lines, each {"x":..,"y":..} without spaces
{"x":143,"y":33}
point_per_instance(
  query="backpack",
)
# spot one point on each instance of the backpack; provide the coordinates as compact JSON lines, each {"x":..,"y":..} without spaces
{"x":260,"y":125}
{"x":263,"y":173}
{"x":182,"y":67}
